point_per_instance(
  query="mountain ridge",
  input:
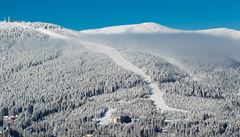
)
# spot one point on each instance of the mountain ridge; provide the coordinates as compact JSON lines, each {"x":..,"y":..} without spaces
{"x":145,"y":28}
{"x":151,"y":27}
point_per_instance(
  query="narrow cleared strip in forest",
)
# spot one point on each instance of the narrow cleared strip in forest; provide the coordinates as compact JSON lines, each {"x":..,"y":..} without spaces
{"x":156,"y":96}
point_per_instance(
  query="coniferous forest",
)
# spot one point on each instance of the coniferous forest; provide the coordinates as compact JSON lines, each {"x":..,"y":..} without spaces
{"x":56,"y":87}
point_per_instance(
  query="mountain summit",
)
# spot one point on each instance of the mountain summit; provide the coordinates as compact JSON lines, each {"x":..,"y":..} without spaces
{"x":149,"y":80}
{"x":151,"y":27}
{"x":148,"y":27}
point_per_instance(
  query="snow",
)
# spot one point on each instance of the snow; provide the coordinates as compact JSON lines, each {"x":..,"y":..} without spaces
{"x":10,"y":117}
{"x":175,"y":120}
{"x":51,"y":33}
{"x":4,"y":25}
{"x":221,"y":32}
{"x":148,"y":27}
{"x":181,"y":66}
{"x":156,"y":96}
{"x":107,"y":119}
{"x":238,"y":93}
{"x":44,"y":31}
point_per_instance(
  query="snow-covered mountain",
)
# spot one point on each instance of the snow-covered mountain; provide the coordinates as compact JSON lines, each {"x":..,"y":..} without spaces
{"x":148,"y":27}
{"x":10,"y":30}
{"x":151,"y":27}
{"x":143,"y":28}
{"x":222,"y":32}
{"x":37,"y":29}
{"x":131,"y":80}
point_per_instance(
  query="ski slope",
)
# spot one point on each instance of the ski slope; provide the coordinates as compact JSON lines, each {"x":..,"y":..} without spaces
{"x":156,"y":96}
{"x":74,"y":76}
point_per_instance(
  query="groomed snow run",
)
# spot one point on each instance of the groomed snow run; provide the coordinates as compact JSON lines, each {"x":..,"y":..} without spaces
{"x":156,"y":96}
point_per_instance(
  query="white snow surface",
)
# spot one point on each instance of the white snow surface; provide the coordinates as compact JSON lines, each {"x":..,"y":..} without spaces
{"x":148,"y":27}
{"x":4,"y":25}
{"x":51,"y":33}
{"x":221,"y":32}
{"x":157,"y":94}
{"x":44,"y":31}
{"x":151,"y":27}
{"x":107,"y":119}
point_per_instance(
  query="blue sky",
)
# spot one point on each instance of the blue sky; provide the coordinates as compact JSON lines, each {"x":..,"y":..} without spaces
{"x":85,"y":14}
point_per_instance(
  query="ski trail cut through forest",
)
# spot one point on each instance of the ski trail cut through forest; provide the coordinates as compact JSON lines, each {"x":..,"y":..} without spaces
{"x":156,"y":96}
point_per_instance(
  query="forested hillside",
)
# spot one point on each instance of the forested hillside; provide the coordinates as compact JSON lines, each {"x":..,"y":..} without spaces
{"x":55,"y":83}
